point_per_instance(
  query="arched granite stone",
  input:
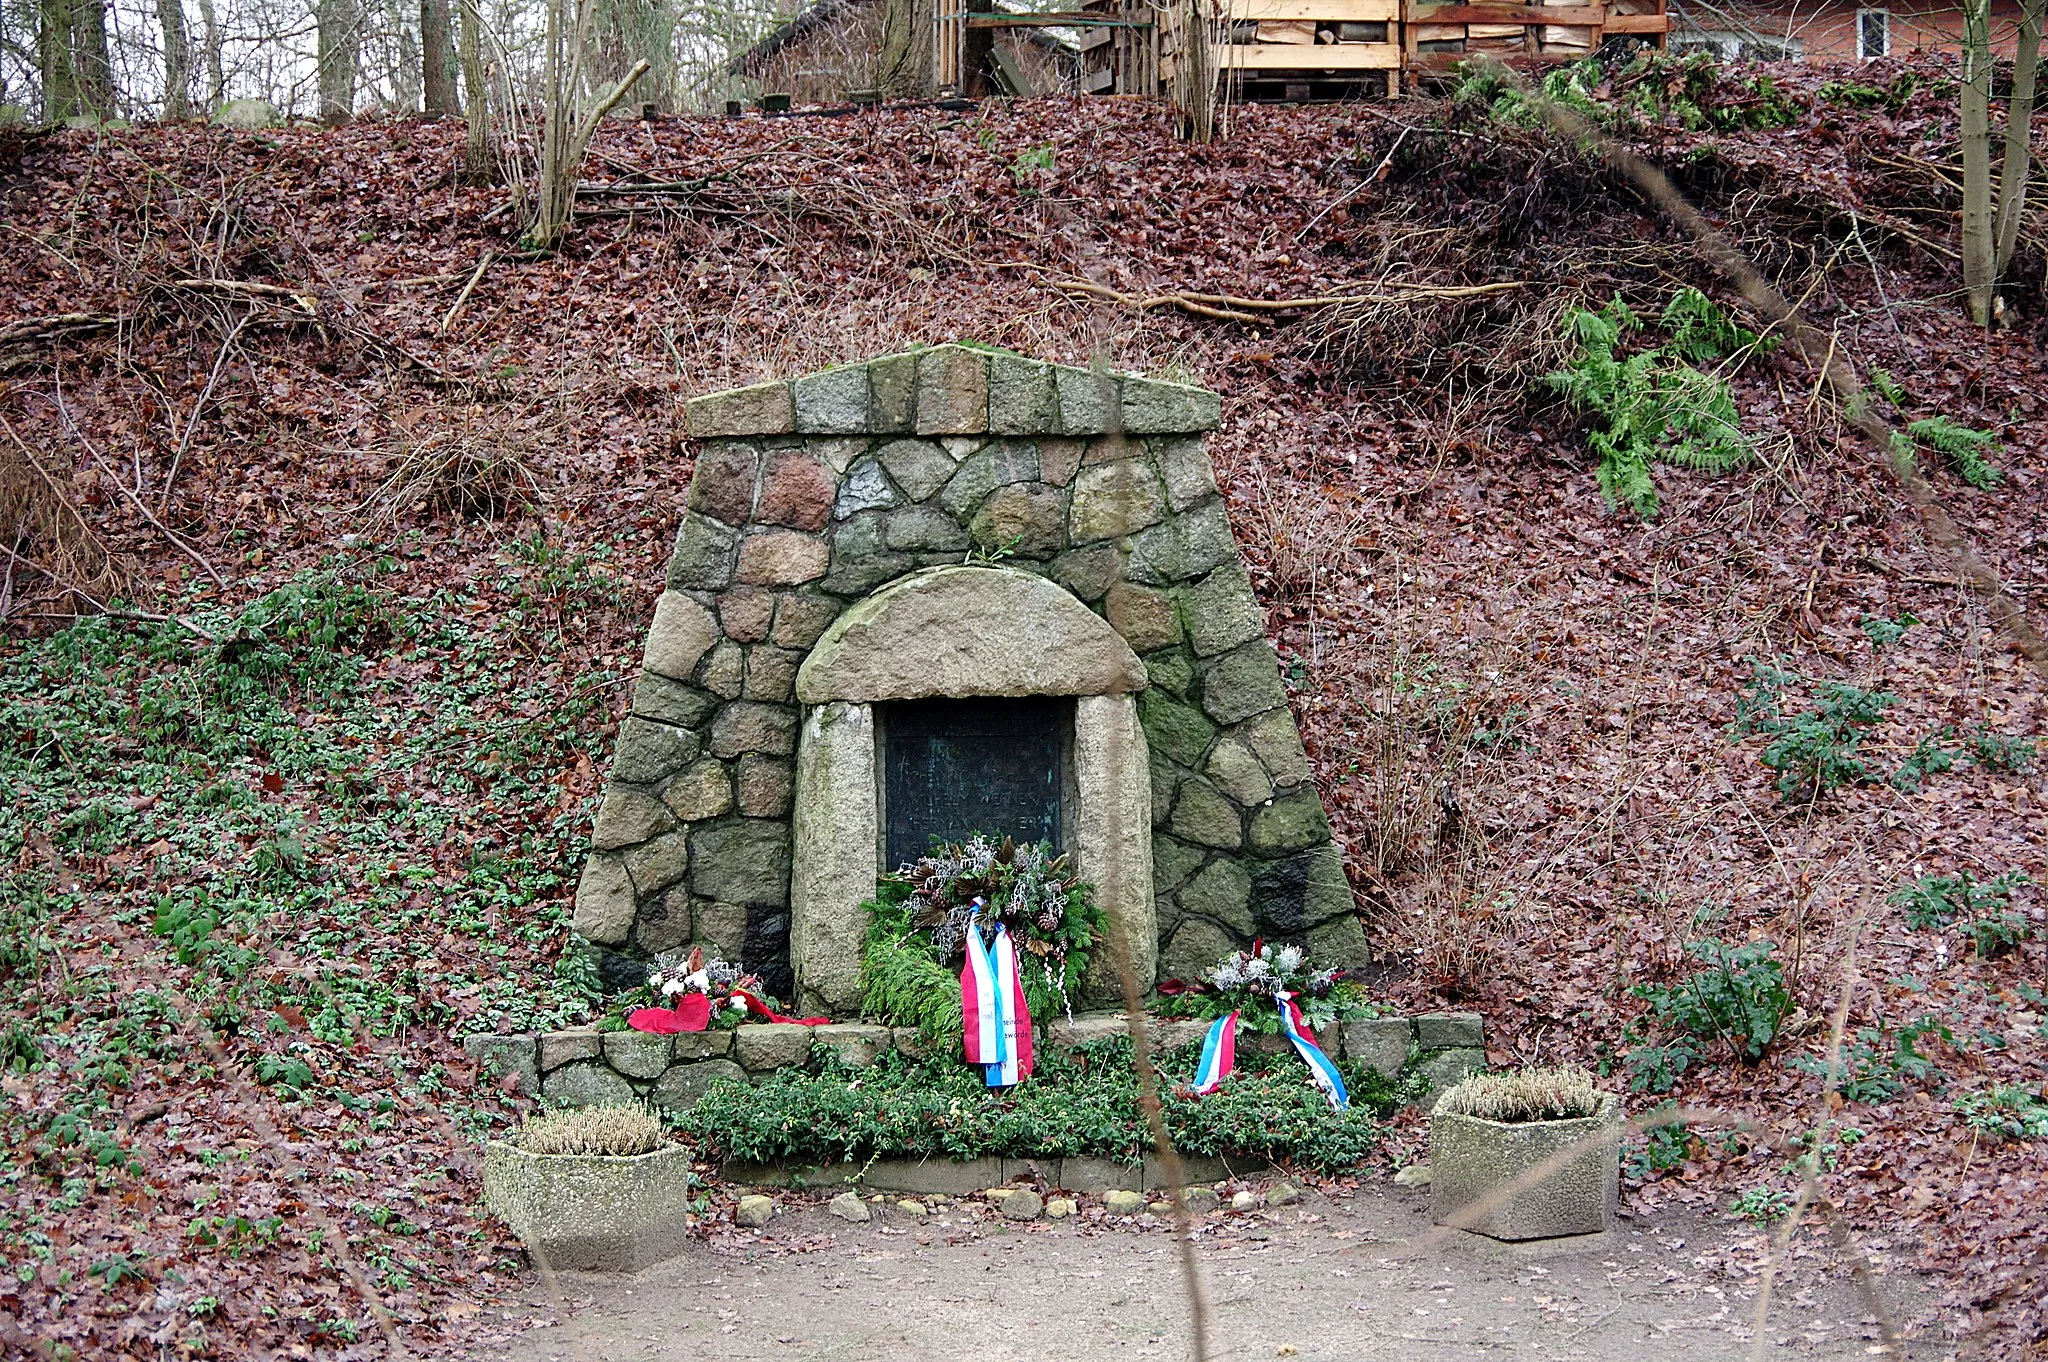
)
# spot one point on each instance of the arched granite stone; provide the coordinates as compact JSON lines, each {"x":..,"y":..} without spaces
{"x":968,"y":631}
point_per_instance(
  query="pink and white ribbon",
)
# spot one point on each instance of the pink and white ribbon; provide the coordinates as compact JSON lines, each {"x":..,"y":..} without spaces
{"x":995,"y":1019}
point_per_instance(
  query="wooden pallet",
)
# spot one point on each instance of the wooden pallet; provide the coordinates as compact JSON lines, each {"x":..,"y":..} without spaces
{"x":1300,"y":49}
{"x":1420,"y":34}
{"x":1436,"y":34}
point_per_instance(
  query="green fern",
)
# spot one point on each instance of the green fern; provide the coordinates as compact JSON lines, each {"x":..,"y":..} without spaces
{"x":1888,"y":387}
{"x":1964,"y":446}
{"x":901,"y":984}
{"x":1706,"y":432}
{"x":1654,"y":405}
{"x":1700,"y":330}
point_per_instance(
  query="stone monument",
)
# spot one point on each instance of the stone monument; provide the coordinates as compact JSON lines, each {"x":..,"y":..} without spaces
{"x":946,"y":591}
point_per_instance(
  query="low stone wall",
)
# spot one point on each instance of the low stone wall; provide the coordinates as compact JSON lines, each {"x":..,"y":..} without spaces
{"x":585,"y":1067}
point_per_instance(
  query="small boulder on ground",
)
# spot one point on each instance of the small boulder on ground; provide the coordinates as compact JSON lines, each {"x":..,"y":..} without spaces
{"x":753,"y":1212}
{"x":1244,"y":1201}
{"x":1059,"y":1208}
{"x":1023,"y":1204}
{"x":1283,"y":1194}
{"x":1121,"y":1202}
{"x":849,"y":1206}
{"x":1414,"y":1175}
{"x":247,"y":114}
{"x":909,"y":1207}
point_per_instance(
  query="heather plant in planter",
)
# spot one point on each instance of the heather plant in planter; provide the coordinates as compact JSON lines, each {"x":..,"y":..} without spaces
{"x":1528,"y":1155}
{"x":599,"y":1189}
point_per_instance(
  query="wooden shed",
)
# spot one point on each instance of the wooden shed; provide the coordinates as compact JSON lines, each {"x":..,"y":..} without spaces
{"x":910,"y":49}
{"x":1294,"y":50}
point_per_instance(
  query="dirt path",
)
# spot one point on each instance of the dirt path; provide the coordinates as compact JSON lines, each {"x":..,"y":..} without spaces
{"x":1325,"y":1279}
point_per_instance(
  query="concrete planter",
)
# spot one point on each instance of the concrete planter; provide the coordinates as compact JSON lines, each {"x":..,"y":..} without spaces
{"x":592,"y":1213}
{"x":1472,"y":1163}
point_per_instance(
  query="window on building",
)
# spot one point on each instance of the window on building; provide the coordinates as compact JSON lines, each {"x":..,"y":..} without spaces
{"x":1873,"y":33}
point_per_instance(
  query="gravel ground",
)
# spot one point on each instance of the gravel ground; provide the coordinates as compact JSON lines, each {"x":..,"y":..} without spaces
{"x":1352,"y":1275}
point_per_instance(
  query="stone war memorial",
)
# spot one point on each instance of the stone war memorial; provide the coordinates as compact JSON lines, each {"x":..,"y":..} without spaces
{"x":949,"y":591}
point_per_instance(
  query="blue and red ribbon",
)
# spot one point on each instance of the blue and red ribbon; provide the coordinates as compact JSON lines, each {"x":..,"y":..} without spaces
{"x":1219,"y":1053}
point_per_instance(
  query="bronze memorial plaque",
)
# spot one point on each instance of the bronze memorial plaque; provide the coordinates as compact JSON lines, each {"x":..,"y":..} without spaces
{"x":955,"y":767}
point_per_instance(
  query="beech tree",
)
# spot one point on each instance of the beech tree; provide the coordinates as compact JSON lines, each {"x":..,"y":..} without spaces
{"x":209,"y":35}
{"x":339,"y":35}
{"x":170,"y":16}
{"x":629,"y":31}
{"x":437,"y":77}
{"x":479,"y":162}
{"x":72,"y":59}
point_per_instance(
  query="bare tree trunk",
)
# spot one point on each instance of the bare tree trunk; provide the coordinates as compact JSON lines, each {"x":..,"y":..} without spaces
{"x":170,"y":15}
{"x":216,"y":82}
{"x":89,"y":51}
{"x":637,"y":30}
{"x":437,"y":82}
{"x":905,"y":68}
{"x":406,"y":77}
{"x":53,"y":55}
{"x":1979,"y":258}
{"x":478,"y":164}
{"x":340,"y":39}
{"x":78,"y":80}
{"x":565,"y":133}
{"x":2018,"y":164}
{"x":1194,"y":82}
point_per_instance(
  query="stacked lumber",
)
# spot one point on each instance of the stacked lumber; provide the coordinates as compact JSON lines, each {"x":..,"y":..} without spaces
{"x":1556,"y":30}
{"x":1298,"y":48}
{"x":1312,"y":49}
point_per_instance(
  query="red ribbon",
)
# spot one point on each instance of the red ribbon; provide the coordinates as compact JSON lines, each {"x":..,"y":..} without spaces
{"x":692,"y":1012}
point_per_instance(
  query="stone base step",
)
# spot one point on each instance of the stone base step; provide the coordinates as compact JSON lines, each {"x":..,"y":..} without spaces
{"x":964,"y":1177}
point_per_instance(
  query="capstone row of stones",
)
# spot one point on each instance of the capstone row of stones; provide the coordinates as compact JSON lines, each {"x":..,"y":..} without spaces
{"x":809,"y":495}
{"x":755,"y":1210}
{"x":957,"y":390}
{"x":587,"y":1067}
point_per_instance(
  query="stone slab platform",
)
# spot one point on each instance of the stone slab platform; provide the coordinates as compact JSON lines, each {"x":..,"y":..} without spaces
{"x":964,"y":1177}
{"x":587,"y":1067}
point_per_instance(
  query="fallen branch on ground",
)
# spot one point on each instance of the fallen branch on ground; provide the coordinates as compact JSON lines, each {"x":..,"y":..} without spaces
{"x":1231,"y":308}
{"x":26,"y":335}
{"x":306,"y":302}
{"x":462,"y":300}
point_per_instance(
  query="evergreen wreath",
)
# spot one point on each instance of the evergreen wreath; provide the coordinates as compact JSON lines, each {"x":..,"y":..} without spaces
{"x":919,"y":919}
{"x":1243,"y":982}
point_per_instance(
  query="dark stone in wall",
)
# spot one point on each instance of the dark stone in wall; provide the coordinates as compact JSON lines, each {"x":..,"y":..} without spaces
{"x":616,"y":972}
{"x":766,"y":952}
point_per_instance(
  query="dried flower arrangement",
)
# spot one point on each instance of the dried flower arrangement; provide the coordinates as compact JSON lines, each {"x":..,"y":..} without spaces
{"x":612,"y":1130}
{"x":1561,"y":1094}
{"x":1245,"y":982}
